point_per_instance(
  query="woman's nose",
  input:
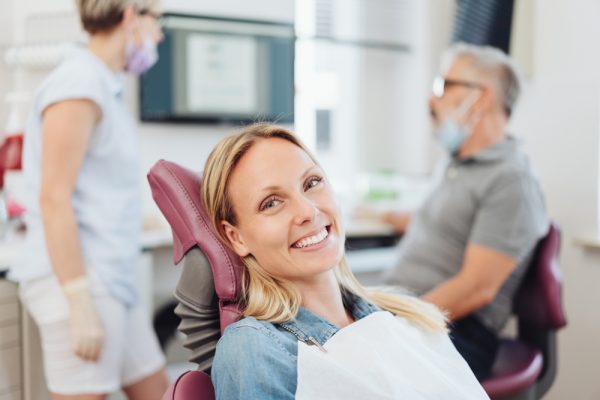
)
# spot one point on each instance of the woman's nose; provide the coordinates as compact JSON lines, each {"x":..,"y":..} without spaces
{"x":305,"y":210}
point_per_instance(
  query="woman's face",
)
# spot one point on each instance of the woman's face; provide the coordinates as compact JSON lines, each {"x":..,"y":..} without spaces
{"x":287,"y":215}
{"x":148,"y":27}
{"x":142,"y":25}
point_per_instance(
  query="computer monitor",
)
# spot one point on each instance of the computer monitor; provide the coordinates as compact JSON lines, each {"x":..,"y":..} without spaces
{"x":221,"y":70}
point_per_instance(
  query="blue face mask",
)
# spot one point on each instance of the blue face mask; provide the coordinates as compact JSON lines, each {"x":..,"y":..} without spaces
{"x":450,"y":134}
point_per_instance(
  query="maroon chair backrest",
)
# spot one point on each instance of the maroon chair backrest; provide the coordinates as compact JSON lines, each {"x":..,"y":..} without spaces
{"x":176,"y":191}
{"x":539,"y":300}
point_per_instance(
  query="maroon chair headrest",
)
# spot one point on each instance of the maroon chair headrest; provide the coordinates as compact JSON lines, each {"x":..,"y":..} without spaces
{"x":539,"y":299}
{"x":176,"y":191}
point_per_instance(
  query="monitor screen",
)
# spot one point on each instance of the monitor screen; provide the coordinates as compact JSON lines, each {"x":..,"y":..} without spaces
{"x":221,"y":70}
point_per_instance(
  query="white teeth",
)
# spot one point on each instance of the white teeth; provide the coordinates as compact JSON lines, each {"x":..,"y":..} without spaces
{"x":309,"y":241}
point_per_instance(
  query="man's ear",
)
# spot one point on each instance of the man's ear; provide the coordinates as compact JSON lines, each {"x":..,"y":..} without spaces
{"x":481,"y":106}
{"x":489,"y":99}
{"x":235,"y":238}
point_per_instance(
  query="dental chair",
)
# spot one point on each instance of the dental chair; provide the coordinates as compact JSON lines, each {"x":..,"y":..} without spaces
{"x":525,"y":367}
{"x":210,"y":280}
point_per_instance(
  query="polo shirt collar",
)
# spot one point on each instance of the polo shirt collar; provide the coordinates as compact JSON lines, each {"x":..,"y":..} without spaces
{"x":496,"y":152}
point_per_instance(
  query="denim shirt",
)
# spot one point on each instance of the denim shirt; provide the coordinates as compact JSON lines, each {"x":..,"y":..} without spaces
{"x":258,"y":359}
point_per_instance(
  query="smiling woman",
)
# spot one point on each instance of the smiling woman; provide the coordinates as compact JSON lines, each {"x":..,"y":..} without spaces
{"x":271,"y":203}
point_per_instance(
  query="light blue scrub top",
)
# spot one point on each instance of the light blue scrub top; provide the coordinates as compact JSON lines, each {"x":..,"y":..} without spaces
{"x":106,"y":199}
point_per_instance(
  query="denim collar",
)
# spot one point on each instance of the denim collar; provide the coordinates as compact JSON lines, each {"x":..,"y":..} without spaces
{"x":309,"y":327}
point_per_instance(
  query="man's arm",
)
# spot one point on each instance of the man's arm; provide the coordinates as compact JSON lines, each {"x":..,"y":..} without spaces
{"x":483,"y":273}
{"x":399,"y":220}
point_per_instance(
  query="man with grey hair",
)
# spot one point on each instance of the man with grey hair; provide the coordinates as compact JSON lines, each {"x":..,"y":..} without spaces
{"x":468,"y":246}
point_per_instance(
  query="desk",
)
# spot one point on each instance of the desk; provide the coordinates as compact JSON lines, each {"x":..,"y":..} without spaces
{"x":11,"y":378}
{"x":13,"y":341}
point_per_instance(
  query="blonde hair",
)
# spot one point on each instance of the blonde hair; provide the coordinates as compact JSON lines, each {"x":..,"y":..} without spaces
{"x":270,"y":298}
{"x":103,"y":15}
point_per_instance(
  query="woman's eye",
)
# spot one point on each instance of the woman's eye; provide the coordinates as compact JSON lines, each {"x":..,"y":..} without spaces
{"x":270,"y":203}
{"x":312,"y":182}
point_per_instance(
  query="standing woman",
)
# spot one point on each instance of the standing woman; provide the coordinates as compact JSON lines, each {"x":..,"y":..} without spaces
{"x":81,"y":168}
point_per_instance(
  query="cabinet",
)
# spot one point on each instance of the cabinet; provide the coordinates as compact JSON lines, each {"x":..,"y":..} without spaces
{"x":10,"y":342}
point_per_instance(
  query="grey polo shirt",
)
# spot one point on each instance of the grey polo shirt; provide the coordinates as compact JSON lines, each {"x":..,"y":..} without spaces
{"x":492,"y":199}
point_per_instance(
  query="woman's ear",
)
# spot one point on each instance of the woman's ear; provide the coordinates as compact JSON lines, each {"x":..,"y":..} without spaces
{"x":129,"y":18}
{"x":235,"y":238}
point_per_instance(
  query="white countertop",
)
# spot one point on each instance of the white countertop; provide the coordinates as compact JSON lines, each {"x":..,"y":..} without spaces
{"x":372,"y":260}
{"x":367,"y":227}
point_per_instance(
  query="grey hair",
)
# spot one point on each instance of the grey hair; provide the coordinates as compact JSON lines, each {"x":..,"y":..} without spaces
{"x":103,"y":15}
{"x":492,"y":63}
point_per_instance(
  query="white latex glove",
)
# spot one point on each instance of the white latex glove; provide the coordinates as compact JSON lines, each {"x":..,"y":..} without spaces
{"x":87,"y":332}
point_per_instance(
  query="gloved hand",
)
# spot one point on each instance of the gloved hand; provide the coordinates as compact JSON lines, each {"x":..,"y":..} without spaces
{"x":87,"y":332}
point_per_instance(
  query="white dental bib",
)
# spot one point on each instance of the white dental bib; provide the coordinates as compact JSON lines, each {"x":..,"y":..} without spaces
{"x":385,"y":357}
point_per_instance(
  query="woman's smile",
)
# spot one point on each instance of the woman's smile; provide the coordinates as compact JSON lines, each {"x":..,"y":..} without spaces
{"x":313,"y":241}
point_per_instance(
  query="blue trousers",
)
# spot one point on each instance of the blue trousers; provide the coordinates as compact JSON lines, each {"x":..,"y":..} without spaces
{"x":476,"y":343}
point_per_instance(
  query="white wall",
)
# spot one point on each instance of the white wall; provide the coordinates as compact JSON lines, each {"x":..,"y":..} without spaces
{"x":559,"y":122}
{"x":438,"y":34}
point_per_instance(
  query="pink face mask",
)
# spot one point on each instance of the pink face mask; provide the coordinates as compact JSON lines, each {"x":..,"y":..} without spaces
{"x":141,"y":58}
